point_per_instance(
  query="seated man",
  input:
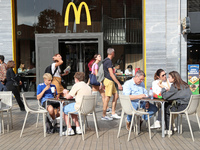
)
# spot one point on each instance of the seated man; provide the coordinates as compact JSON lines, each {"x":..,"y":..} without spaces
{"x":136,"y":90}
{"x":79,"y":89}
{"x":47,"y":90}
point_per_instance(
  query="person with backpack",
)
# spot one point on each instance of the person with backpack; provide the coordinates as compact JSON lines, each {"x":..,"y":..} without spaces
{"x":110,"y":89}
{"x":56,"y":73}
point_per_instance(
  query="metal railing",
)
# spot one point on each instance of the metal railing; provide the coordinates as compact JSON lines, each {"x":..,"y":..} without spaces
{"x":122,"y":30}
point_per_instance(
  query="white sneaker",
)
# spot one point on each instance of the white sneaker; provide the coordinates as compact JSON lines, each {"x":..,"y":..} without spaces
{"x":70,"y":132}
{"x":155,"y":125}
{"x":109,"y":110}
{"x":169,"y":132}
{"x":115,"y":116}
{"x":78,"y":131}
{"x":106,"y":118}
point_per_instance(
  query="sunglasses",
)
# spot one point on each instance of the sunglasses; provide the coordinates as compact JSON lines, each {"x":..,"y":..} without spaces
{"x":164,"y":75}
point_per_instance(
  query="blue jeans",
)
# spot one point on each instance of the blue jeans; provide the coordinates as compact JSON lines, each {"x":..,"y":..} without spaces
{"x":2,"y":87}
{"x":152,"y":110}
{"x":69,"y":108}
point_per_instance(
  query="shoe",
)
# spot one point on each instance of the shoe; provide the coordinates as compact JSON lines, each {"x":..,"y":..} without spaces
{"x":70,"y":132}
{"x":115,"y":116}
{"x":175,"y":129}
{"x":155,"y":125}
{"x":22,"y":109}
{"x":106,"y":118}
{"x":169,"y":132}
{"x":78,"y":131}
{"x":128,"y":124}
{"x":109,"y":110}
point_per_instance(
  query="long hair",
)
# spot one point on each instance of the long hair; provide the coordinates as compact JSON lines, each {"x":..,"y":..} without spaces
{"x":157,"y":74}
{"x":22,"y":67}
{"x":10,"y":64}
{"x":95,"y":57}
{"x":178,"y":82}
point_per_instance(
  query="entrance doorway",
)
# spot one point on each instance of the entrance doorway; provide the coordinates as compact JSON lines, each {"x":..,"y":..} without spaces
{"x":77,"y":54}
{"x":76,"y":50}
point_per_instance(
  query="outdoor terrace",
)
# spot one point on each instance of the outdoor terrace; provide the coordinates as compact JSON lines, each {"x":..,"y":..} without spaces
{"x":33,"y":138}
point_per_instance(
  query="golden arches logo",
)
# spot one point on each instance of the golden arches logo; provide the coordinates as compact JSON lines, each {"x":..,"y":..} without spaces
{"x":77,"y":13}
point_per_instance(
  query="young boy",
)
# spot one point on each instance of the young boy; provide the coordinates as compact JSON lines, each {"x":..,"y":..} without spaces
{"x":47,"y":90}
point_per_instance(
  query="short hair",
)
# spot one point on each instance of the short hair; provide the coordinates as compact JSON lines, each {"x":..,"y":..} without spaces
{"x":10,"y":64}
{"x":47,"y":76}
{"x":2,"y":58}
{"x":110,"y":50}
{"x":130,"y":66}
{"x":80,"y":76}
{"x":140,"y":73}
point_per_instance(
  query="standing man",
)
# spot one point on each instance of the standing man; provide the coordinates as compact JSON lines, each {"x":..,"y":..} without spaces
{"x":136,"y":90}
{"x":109,"y":84}
{"x":2,"y":74}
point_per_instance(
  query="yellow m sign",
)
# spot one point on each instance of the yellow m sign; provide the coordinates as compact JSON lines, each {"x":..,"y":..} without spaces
{"x":77,"y":13}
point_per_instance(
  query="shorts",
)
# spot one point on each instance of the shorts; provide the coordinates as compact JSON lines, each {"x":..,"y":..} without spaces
{"x":57,"y":82}
{"x":110,"y":88}
{"x":69,"y":108}
{"x":53,"y":104}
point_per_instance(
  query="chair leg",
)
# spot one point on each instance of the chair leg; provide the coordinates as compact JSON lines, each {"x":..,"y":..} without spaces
{"x":96,"y":119}
{"x":81,"y":125}
{"x":24,"y":124}
{"x":8,"y":122}
{"x":84,"y":118}
{"x":197,"y":120}
{"x":2,"y":122}
{"x":44,"y":126}
{"x":11,"y":119}
{"x":170,"y":123}
{"x":95,"y":123}
{"x":86,"y":121}
{"x":190,"y":127}
{"x":181,"y":126}
{"x":130,"y":127}
{"x":149,"y":127}
{"x":120,"y":125}
{"x":38,"y":115}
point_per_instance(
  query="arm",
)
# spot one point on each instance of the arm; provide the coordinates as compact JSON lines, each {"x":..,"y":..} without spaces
{"x":168,"y":95}
{"x":58,"y":62}
{"x":114,"y":78}
{"x":39,"y":96}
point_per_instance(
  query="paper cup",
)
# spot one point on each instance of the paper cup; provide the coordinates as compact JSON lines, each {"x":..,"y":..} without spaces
{"x":53,"y":89}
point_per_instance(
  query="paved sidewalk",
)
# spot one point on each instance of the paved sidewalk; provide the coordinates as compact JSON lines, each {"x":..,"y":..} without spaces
{"x":33,"y":137}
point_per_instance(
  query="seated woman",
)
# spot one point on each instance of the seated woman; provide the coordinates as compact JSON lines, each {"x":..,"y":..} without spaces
{"x":179,"y":93}
{"x":130,"y":71}
{"x":159,"y":77}
{"x":79,"y":89}
{"x":21,"y":72}
{"x":47,"y":90}
{"x":22,"y":69}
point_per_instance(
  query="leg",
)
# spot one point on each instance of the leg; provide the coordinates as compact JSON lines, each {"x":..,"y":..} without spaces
{"x":152,"y":110}
{"x":105,"y":105}
{"x":50,"y":109}
{"x":114,"y":102}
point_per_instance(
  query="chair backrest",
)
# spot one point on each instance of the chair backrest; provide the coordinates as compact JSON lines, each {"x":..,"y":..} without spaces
{"x":88,"y":104}
{"x":193,"y":104}
{"x":6,"y":98}
{"x":126,"y":104}
{"x":27,"y":108}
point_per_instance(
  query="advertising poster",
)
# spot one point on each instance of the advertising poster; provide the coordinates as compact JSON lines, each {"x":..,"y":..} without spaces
{"x":193,"y":78}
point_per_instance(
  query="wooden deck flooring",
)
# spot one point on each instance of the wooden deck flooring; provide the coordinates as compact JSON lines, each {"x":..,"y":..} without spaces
{"x":33,"y":137}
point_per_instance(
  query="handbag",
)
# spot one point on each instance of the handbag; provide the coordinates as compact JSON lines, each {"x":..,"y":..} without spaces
{"x":93,"y":80}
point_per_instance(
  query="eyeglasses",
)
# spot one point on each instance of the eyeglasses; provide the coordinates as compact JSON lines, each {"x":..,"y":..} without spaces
{"x":164,"y":75}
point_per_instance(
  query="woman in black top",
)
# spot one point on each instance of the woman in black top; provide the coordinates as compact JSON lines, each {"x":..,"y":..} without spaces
{"x":179,"y":93}
{"x":10,"y":77}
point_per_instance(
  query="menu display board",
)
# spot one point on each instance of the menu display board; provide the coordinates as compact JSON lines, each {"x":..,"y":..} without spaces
{"x":193,"y":78}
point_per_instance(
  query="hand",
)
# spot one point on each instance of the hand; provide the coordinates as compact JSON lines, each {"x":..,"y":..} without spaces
{"x":160,"y":85}
{"x":147,"y":105}
{"x":47,"y":87}
{"x":141,"y":96}
{"x":20,"y":82}
{"x":120,"y":87}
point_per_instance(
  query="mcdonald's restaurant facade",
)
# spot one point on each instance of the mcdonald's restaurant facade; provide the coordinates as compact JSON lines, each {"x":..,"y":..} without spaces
{"x":144,"y":33}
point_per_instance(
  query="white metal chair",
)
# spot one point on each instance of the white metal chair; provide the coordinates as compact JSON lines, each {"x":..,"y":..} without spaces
{"x":87,"y":106}
{"x":29,"y":110}
{"x":129,"y":110}
{"x":190,"y":109}
{"x":6,"y":106}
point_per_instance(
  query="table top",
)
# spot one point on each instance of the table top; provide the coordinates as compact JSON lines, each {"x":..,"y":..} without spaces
{"x":61,"y":99}
{"x":154,"y":99}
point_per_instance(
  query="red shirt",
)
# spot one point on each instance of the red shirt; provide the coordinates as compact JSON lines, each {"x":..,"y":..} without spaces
{"x":90,"y":64}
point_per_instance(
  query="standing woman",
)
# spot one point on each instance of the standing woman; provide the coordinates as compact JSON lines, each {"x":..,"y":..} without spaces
{"x":57,"y":58}
{"x":179,"y":93}
{"x":10,"y":76}
{"x":95,"y":69}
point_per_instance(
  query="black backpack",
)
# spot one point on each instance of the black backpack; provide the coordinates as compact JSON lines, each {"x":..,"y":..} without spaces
{"x":48,"y":70}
